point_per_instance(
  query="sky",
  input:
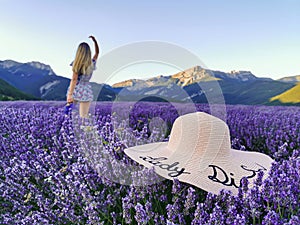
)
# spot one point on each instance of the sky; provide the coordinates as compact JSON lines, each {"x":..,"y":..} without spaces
{"x":261,"y":36}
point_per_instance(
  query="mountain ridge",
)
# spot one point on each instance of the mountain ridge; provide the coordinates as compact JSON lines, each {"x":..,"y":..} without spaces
{"x":291,"y":79}
{"x":39,"y":80}
{"x":238,"y":87}
{"x":189,"y":76}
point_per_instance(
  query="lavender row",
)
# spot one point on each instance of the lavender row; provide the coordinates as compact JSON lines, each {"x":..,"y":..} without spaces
{"x":52,"y":173}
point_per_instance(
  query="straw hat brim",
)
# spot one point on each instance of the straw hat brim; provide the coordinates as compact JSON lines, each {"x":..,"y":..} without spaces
{"x":222,"y":172}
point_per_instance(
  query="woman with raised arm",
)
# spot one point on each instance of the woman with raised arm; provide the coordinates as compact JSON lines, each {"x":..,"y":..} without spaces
{"x":80,"y":89}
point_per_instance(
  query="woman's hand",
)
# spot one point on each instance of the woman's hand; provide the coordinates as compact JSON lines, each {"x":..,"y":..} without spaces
{"x":92,"y":37}
{"x":70,"y":98}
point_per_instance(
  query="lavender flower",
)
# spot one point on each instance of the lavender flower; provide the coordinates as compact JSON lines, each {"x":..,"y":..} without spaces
{"x":126,"y":206}
{"x":271,"y":218}
{"x":141,"y":215}
{"x":53,"y":173}
{"x":190,"y":200}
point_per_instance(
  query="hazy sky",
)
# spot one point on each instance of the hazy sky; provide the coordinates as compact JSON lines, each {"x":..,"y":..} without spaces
{"x":262,"y":36}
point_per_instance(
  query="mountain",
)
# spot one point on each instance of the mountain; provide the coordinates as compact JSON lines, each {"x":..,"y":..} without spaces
{"x":9,"y":93}
{"x":40,"y":81}
{"x":187,"y":77}
{"x":291,"y":79}
{"x":291,"y":96}
{"x":196,"y":83}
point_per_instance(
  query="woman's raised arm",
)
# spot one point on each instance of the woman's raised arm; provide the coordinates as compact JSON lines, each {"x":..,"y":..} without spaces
{"x":96,"y":47}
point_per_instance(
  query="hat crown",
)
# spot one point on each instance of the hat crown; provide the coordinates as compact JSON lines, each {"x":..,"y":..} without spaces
{"x":199,"y":135}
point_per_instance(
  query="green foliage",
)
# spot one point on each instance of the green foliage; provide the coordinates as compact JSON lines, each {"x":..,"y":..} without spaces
{"x":10,"y":93}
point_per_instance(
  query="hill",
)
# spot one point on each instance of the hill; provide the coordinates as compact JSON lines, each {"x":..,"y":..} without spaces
{"x":290,"y":79}
{"x":291,"y":96}
{"x":10,"y":93}
{"x":39,"y":80}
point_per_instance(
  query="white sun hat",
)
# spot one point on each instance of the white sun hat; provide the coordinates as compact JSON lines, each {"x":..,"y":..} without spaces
{"x":199,"y":153}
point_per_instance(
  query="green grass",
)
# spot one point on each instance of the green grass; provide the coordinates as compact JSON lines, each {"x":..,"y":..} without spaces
{"x":10,"y":93}
{"x":290,"y":96}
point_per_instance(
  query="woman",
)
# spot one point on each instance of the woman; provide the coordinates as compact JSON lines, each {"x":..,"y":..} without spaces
{"x":80,"y":89}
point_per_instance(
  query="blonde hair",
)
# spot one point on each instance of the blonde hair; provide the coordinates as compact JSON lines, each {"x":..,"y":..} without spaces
{"x":83,"y":60}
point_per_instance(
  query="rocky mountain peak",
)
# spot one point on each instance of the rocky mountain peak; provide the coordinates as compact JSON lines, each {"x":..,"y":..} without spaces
{"x":15,"y":67}
{"x":126,"y":83}
{"x":6,"y":64}
{"x":193,"y":75}
{"x":241,"y":75}
{"x":41,"y":66}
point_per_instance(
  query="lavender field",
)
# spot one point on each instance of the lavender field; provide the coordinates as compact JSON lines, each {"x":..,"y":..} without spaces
{"x":52,"y":172}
